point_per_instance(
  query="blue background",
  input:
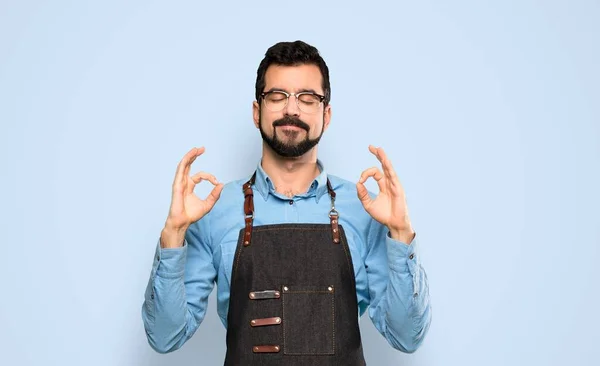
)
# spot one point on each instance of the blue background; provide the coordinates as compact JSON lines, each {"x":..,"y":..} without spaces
{"x":489,"y":111}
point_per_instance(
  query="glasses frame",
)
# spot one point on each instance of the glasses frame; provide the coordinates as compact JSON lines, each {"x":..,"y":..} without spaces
{"x":287,"y":100}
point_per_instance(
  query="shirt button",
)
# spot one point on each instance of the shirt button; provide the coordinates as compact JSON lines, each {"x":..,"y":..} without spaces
{"x":152,"y":296}
{"x":291,"y":202}
{"x":411,"y":256}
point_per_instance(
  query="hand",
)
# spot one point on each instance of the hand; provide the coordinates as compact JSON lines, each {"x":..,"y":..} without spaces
{"x":389,"y":207}
{"x":186,"y":208}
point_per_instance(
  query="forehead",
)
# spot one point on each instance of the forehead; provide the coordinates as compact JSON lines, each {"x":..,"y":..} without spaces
{"x":294,"y":78}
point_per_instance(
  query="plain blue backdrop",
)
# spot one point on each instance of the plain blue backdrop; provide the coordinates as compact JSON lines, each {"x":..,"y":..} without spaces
{"x":489,"y":111}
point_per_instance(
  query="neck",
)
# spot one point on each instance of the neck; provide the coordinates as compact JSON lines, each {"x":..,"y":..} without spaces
{"x":290,"y":176}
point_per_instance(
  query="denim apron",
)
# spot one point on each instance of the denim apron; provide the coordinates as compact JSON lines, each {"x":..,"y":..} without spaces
{"x":293,"y":294}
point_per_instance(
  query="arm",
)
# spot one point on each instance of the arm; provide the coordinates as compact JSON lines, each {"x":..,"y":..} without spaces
{"x":176,"y":297}
{"x":183,"y":274}
{"x":398,"y":286}
{"x":399,"y":307}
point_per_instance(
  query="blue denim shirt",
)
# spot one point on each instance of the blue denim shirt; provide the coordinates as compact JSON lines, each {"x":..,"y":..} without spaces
{"x":390,"y":280}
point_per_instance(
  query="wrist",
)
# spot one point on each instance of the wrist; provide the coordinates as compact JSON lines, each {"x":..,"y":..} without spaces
{"x":172,"y":236}
{"x":404,"y":235}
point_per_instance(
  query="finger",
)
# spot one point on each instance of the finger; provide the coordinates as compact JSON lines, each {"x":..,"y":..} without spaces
{"x":371,"y":172}
{"x":386,"y":164}
{"x":373,"y":150}
{"x":379,"y":153}
{"x":363,"y":195}
{"x":180,"y":174}
{"x":199,"y":151}
{"x":376,"y":174}
{"x":214,"y":195}
{"x":199,"y":177}
{"x":388,"y":169}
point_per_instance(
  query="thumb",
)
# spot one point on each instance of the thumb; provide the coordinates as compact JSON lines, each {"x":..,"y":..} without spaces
{"x":363,"y":195}
{"x":214,"y":195}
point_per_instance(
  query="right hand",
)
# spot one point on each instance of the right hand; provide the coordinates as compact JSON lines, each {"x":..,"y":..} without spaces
{"x":186,"y":208}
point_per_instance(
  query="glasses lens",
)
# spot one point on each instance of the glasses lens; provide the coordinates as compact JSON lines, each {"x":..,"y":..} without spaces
{"x":275,"y":101}
{"x":309,"y":103}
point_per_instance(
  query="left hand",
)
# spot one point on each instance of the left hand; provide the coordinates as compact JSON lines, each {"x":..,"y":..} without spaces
{"x":389,"y":207}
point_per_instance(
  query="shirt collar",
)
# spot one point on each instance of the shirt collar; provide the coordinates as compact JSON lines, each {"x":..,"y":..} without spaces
{"x":264,"y":185}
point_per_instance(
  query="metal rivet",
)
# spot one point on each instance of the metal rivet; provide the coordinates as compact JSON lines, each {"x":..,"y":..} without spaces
{"x":246,"y":242}
{"x":255,"y":348}
{"x":285,"y":288}
{"x":277,"y":293}
{"x":335,"y":230}
{"x":330,"y":288}
{"x":253,"y":322}
{"x":252,"y":295}
{"x":334,"y":221}
{"x":278,"y":320}
{"x":276,"y":348}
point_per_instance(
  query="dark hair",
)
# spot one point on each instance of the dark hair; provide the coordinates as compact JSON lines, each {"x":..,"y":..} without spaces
{"x":293,"y":54}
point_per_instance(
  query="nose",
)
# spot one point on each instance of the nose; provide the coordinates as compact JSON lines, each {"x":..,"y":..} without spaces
{"x":291,"y":109}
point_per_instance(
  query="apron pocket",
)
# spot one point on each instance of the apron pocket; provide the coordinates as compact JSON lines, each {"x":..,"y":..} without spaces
{"x":308,"y":320}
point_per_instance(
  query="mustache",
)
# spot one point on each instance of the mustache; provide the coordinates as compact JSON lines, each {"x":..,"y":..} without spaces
{"x":291,"y":121}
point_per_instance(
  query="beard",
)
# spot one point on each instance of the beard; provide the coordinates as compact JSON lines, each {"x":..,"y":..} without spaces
{"x":289,"y":149}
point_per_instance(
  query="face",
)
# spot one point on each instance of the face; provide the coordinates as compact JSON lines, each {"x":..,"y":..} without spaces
{"x":292,"y":132}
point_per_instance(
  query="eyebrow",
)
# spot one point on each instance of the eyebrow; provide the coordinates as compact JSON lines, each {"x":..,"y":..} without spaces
{"x":299,"y":91}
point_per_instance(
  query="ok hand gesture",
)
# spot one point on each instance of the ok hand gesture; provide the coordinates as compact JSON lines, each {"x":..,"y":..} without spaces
{"x":187,"y":208}
{"x":389,"y":207}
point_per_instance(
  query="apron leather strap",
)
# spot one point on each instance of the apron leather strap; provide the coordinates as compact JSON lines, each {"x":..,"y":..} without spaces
{"x":249,"y":211}
{"x":333,"y":215}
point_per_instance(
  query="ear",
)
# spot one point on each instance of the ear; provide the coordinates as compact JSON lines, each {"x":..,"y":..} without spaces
{"x":326,"y":117}
{"x":255,"y":113}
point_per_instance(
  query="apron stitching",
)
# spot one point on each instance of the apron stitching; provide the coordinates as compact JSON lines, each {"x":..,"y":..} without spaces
{"x":258,"y":229}
{"x":284,"y":321}
{"x":333,"y":321}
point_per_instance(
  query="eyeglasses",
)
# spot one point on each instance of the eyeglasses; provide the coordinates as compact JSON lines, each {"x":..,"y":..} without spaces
{"x":307,"y":102}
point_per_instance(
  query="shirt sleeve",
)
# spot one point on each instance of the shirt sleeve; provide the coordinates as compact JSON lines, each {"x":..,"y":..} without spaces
{"x":398,"y":290}
{"x":176,"y":297}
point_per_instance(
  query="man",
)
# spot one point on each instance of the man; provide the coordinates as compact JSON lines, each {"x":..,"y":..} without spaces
{"x":297,"y":254}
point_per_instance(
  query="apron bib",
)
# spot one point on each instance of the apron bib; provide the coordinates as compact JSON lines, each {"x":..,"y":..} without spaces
{"x":293,"y":294}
